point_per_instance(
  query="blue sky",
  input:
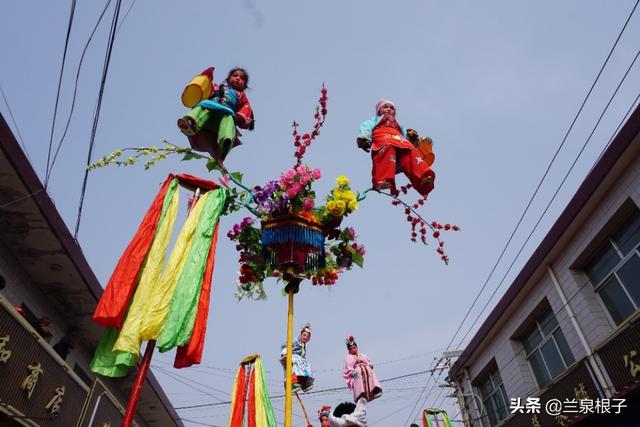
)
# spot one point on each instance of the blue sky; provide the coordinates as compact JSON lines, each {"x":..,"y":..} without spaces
{"x":496,"y":84}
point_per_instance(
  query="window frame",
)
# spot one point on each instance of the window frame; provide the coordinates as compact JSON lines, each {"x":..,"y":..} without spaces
{"x":623,"y":259}
{"x":498,"y":390}
{"x":545,"y":338}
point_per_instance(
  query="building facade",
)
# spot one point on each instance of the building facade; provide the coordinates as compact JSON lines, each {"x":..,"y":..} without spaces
{"x":568,"y":327}
{"x":48,"y":294}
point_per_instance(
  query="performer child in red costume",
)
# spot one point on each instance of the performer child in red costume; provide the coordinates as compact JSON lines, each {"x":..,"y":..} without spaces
{"x":392,"y":152}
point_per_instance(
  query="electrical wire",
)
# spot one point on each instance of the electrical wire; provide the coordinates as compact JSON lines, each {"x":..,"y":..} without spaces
{"x":75,"y":92}
{"x":544,"y":175}
{"x":546,"y":321}
{"x":55,"y":108}
{"x":555,"y":193}
{"x":96,"y":116}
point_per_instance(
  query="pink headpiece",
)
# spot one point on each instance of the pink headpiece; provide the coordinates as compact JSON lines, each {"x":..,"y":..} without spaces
{"x":383,"y":102}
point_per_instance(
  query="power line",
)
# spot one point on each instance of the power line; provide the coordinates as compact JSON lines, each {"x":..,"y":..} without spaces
{"x":547,"y":320}
{"x":556,"y":192}
{"x":96,"y":117}
{"x":422,"y":392}
{"x":75,"y":92}
{"x":544,"y":175}
{"x":55,"y":108}
{"x":412,"y":374}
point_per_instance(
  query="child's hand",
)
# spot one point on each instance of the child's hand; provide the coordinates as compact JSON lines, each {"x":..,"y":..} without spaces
{"x":364,"y":144}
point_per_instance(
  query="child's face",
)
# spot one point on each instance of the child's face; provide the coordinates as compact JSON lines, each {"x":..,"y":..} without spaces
{"x":353,"y":350}
{"x":305,"y":337}
{"x":238,"y":80}
{"x":388,"y":110}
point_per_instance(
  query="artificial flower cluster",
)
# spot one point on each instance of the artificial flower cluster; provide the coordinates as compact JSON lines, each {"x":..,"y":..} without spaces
{"x":341,"y":201}
{"x":253,"y":268}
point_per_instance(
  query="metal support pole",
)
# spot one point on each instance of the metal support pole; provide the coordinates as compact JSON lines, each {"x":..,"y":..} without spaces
{"x":127,"y":420}
{"x":288,"y":369}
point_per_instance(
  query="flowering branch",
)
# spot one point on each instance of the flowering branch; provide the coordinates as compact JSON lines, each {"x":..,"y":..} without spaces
{"x":419,"y":223}
{"x":302,"y":142}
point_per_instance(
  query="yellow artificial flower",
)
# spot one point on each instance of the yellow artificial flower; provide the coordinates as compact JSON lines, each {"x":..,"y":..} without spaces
{"x":331,"y":205}
{"x":349,"y":195}
{"x":342,"y":180}
{"x":340,"y":204}
{"x":352,"y":205}
{"x":338,"y":193}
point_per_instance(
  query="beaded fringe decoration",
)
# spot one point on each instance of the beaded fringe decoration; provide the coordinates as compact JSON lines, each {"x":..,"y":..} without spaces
{"x":313,"y":261}
{"x":292,"y":232}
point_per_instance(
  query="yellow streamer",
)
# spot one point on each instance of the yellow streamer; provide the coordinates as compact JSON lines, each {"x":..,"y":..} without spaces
{"x":130,"y":336}
{"x":159,"y":302}
{"x":261,"y":412}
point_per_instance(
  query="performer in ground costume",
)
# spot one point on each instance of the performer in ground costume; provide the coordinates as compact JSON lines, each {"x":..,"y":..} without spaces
{"x":301,"y":370}
{"x":323,"y":415}
{"x":211,"y":123}
{"x":359,"y":375}
{"x":392,"y":151}
{"x":348,"y":414}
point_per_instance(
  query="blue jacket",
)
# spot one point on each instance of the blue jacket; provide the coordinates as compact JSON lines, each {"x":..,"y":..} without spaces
{"x":366,"y":128}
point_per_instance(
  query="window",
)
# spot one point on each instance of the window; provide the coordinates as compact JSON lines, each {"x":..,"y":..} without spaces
{"x":615,"y":270}
{"x":494,"y":398}
{"x":546,"y":349}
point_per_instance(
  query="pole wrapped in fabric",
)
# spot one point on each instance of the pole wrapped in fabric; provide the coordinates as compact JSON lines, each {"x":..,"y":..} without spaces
{"x":259,"y":408}
{"x":426,"y":419}
{"x":154,"y":289}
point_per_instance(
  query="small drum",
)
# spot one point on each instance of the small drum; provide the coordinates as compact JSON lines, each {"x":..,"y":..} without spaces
{"x":198,"y":89}
{"x":425,"y":147}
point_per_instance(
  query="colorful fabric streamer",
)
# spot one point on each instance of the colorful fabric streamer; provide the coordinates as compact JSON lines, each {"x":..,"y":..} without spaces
{"x":143,"y":300}
{"x":428,"y":413}
{"x":250,"y":386}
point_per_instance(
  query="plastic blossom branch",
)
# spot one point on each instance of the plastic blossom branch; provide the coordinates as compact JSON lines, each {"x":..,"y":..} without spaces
{"x":420,"y":224}
{"x":304,"y":141}
{"x":153,"y":154}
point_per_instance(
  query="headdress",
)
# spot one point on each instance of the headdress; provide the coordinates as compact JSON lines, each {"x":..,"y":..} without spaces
{"x":350,"y":341}
{"x":325,"y":411}
{"x":382,"y":103}
{"x":306,"y":328}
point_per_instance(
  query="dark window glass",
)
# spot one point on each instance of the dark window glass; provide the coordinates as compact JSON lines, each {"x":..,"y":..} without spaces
{"x":616,"y":300}
{"x":604,"y":261}
{"x":629,"y":235}
{"x":629,"y":275}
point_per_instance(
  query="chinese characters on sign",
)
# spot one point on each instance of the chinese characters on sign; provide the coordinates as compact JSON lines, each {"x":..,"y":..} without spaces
{"x":30,"y":381}
{"x":4,"y":353}
{"x":54,"y":404}
{"x":630,"y":363}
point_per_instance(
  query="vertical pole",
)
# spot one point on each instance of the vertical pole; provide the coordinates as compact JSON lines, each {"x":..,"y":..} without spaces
{"x":127,"y":420}
{"x":288,"y":371}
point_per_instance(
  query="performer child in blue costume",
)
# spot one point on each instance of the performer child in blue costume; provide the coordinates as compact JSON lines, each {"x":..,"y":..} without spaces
{"x":301,"y":373}
{"x":211,"y":125}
